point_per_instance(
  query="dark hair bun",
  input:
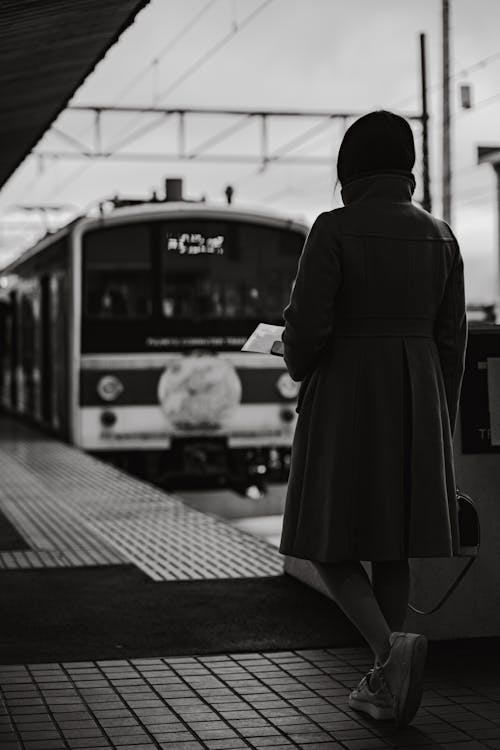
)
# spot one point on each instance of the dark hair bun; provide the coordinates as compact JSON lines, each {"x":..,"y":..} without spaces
{"x":377,"y":142}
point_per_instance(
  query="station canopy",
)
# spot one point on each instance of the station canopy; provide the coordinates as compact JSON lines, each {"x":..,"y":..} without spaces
{"x":47,"y":49}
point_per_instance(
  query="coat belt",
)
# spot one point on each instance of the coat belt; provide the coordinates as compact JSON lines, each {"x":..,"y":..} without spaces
{"x":391,"y":326}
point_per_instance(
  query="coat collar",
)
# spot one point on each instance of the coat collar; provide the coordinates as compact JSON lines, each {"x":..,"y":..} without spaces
{"x":383,"y":186}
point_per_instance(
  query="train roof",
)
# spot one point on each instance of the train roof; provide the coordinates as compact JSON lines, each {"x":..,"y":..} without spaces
{"x":237,"y":212}
{"x":145,"y":211}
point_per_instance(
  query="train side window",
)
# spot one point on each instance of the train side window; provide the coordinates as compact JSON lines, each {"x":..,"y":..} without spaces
{"x":117,"y":272}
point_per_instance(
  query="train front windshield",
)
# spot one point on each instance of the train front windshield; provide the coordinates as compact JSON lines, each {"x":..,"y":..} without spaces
{"x":183,"y":282}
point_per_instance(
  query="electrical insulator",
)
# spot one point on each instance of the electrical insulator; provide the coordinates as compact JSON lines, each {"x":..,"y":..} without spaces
{"x":466,"y":96}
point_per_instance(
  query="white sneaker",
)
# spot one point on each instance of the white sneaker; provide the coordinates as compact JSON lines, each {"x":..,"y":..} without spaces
{"x":402,"y":674}
{"x":372,"y":697}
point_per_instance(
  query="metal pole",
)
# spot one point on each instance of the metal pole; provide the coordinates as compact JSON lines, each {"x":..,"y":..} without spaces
{"x":427,"y":202}
{"x":97,"y":131}
{"x":496,"y":167}
{"x":446,"y":114}
{"x":182,"y":134}
{"x":264,"y":142}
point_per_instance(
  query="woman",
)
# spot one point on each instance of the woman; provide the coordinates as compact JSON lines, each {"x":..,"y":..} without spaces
{"x":376,"y":331}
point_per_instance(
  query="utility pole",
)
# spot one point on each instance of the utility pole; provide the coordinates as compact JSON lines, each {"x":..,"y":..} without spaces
{"x":426,"y":202}
{"x":446,"y":114}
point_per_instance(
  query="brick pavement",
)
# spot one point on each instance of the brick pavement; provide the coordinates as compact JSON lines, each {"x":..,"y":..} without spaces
{"x":287,"y":699}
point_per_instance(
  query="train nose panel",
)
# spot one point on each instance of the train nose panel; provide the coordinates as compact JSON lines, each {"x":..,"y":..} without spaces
{"x":199,"y":392}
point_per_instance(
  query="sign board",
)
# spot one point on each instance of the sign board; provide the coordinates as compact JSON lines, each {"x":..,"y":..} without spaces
{"x":488,"y":154}
{"x":480,"y":397}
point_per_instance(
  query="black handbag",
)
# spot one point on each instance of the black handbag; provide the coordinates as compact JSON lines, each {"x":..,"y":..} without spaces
{"x":469,"y":536}
{"x":468,"y":526}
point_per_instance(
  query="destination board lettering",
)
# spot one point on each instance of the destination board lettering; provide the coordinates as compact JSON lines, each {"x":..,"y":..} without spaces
{"x":195,"y":243}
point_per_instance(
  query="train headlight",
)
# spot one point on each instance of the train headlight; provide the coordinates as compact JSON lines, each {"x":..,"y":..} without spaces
{"x":109,"y":387}
{"x":108,"y":418}
{"x":287,"y":387}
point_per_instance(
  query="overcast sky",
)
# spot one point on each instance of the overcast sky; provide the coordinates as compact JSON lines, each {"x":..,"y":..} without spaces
{"x":334,"y":55}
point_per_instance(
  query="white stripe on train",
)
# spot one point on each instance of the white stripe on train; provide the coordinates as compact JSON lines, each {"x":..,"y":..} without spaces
{"x":145,"y":427}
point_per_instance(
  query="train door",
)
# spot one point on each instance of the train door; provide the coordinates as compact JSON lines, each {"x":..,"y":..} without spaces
{"x":60,"y":357}
{"x":13,"y":349}
{"x":4,"y":314}
{"x":46,"y":365}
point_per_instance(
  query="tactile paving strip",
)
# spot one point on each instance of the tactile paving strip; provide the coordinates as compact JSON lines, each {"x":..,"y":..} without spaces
{"x":287,"y":699}
{"x":85,"y":512}
{"x":47,"y":521}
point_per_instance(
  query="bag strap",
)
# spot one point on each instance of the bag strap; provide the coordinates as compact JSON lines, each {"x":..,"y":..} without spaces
{"x":448,"y":593}
{"x":469,"y":501}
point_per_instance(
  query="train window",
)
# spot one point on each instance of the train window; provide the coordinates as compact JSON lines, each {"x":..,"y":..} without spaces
{"x":117,"y":272}
{"x":214,"y":269}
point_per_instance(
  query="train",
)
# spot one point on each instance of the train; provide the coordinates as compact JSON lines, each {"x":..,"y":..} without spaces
{"x":122,"y":335}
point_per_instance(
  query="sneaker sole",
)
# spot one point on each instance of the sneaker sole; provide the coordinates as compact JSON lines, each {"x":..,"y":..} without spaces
{"x":411,"y":690}
{"x":376,"y":712}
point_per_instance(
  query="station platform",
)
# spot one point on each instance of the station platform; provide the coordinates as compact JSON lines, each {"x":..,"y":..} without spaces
{"x":129,"y":620}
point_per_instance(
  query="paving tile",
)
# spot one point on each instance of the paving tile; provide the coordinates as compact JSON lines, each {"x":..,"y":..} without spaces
{"x":34,"y":726}
{"x":468,"y":745}
{"x":253,"y":722}
{"x":88,"y":723}
{"x":258,"y":732}
{"x":174,"y":737}
{"x":137,"y":743}
{"x":39,"y":734}
{"x":485,"y":733}
{"x":81,"y":733}
{"x":365,"y":743}
{"x":307,"y":737}
{"x":232,"y":716}
{"x":451,"y":735}
{"x":123,"y":721}
{"x":216,"y":734}
{"x":355,"y":734}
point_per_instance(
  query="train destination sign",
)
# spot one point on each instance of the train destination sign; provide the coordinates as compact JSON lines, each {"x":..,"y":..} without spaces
{"x":195,"y":243}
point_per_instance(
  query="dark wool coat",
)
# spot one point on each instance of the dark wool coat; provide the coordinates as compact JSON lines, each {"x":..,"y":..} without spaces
{"x":376,"y":331}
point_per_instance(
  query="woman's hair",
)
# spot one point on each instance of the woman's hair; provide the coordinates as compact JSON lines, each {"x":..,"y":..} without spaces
{"x":380,"y":141}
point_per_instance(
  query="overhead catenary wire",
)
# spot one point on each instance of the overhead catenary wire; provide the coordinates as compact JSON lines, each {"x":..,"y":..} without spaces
{"x":74,"y":175}
{"x":188,"y":72}
{"x":193,"y":68}
{"x":479,"y":64}
{"x":144,"y":129}
{"x":160,"y":55}
{"x":164,"y":51}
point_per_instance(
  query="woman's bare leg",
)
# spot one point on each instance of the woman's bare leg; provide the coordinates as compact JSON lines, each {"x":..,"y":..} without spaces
{"x":350,"y":587}
{"x":391,"y":586}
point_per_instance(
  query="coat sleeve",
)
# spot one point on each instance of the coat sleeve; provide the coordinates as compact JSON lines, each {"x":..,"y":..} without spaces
{"x":309,"y":315}
{"x":450,"y":333}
